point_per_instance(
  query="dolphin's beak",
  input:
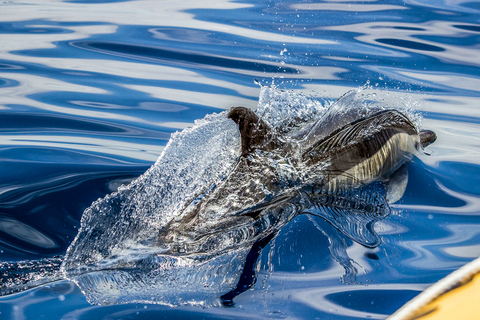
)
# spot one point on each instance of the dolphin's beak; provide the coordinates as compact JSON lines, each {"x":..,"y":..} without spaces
{"x":427,"y":137}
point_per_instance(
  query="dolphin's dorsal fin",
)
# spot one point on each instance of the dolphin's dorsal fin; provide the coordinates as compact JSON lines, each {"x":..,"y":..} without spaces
{"x":253,"y":130}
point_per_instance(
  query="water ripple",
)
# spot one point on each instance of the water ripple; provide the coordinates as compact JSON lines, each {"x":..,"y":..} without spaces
{"x":408,"y":44}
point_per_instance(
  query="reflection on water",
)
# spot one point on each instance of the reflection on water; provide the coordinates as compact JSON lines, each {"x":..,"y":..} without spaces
{"x":25,"y":233}
{"x":90,"y":92}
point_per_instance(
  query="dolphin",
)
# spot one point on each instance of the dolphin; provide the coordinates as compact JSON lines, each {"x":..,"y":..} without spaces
{"x":320,"y":169}
{"x":368,"y":149}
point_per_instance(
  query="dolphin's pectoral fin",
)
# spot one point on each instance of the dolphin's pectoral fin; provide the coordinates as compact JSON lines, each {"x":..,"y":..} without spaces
{"x":396,"y":184}
{"x":254,"y":131}
{"x":353,"y":212}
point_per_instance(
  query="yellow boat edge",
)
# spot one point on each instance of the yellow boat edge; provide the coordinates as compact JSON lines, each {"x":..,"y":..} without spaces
{"x":457,"y":296}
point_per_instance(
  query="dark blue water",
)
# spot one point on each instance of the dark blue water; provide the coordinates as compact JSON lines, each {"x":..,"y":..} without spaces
{"x":90,"y":92}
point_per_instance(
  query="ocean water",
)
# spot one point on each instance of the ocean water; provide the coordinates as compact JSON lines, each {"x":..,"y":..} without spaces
{"x":91,"y":91}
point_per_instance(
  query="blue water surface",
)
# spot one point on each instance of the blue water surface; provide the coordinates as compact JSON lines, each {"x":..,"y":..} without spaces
{"x":90,"y":92}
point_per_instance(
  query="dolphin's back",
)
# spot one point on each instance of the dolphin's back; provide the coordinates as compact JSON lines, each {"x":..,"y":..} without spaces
{"x":366,"y":149}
